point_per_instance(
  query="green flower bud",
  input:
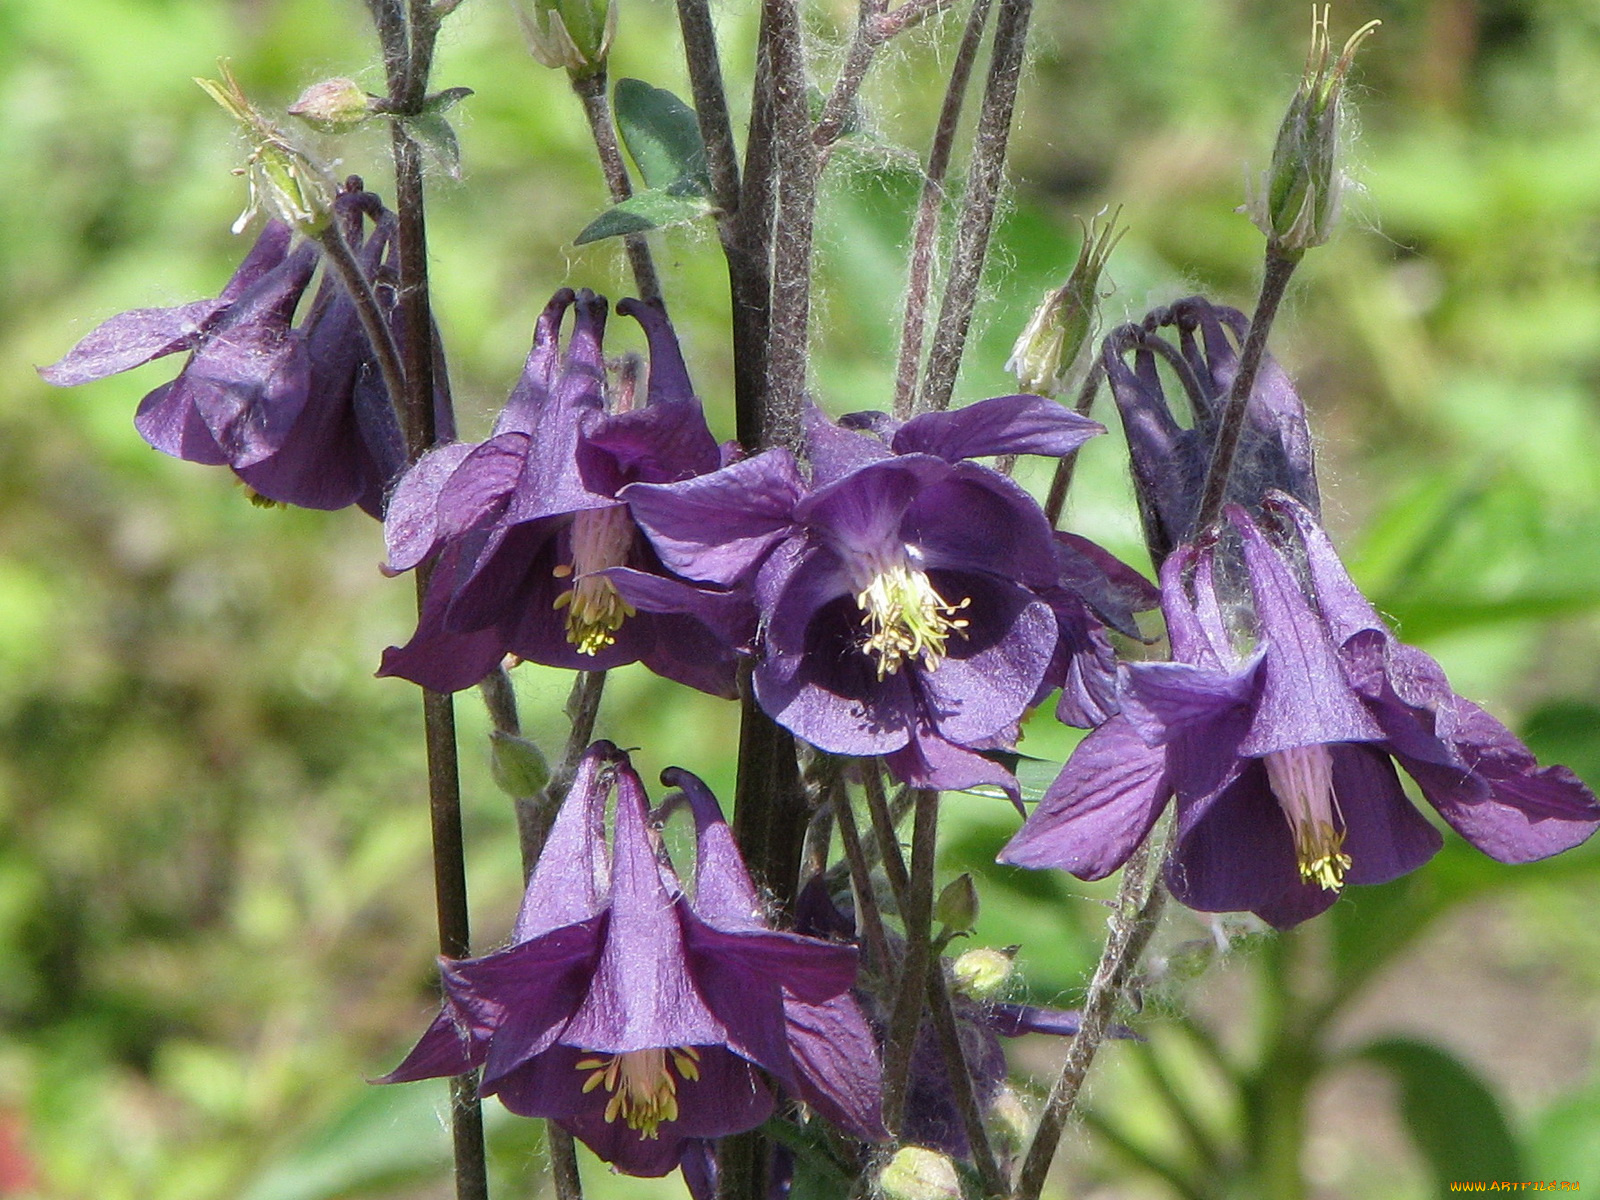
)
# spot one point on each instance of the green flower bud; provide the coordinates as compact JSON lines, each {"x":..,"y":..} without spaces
{"x":284,"y":180}
{"x":1045,"y":358}
{"x":518,"y":765}
{"x":916,"y":1173}
{"x":981,"y":972}
{"x":333,"y":106}
{"x":575,"y":34}
{"x":957,"y":906}
{"x":1009,"y":1123}
{"x":1299,"y":199}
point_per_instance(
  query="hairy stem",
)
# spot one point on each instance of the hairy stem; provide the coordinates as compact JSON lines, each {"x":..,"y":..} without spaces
{"x":1138,"y":909}
{"x":869,"y":919}
{"x":796,"y":159}
{"x":959,"y":1076}
{"x":971,"y":246}
{"x":1274,"y":282}
{"x":1067,"y":465}
{"x":916,"y":911}
{"x":874,"y":27}
{"x":926,"y":229}
{"x":591,"y":91}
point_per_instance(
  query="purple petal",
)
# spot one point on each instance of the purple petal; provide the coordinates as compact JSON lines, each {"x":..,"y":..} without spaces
{"x":664,"y":443}
{"x":1162,"y":699}
{"x":931,"y":761}
{"x":1305,"y":699}
{"x":724,"y":894}
{"x":130,"y":340}
{"x":1385,"y":836}
{"x":717,"y":527}
{"x":411,"y":524}
{"x":436,"y":657}
{"x":1235,"y":853}
{"x":170,"y":423}
{"x":566,"y":885}
{"x":669,"y":377}
{"x":968,"y":517}
{"x":1002,"y":425}
{"x":447,"y":1048}
{"x":835,"y":450}
{"x":836,"y":1061}
{"x":1099,"y":808}
{"x":478,"y":491}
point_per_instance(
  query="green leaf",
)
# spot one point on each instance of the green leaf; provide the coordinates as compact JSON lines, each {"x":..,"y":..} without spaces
{"x":1454,"y":1119}
{"x":433,"y":133}
{"x":655,"y":209}
{"x":662,"y":134}
{"x":442,"y":102}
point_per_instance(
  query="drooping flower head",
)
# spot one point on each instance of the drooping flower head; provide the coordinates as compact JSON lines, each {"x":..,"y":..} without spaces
{"x":536,"y":556}
{"x":626,"y":1016}
{"x":1169,"y":457}
{"x":1277,"y":728}
{"x":298,"y":412}
{"x":901,"y":589}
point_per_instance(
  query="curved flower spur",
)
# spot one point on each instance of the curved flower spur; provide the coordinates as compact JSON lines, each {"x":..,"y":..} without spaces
{"x":1276,"y":728}
{"x":640,"y":1021}
{"x":536,"y":556}
{"x":906,"y":594}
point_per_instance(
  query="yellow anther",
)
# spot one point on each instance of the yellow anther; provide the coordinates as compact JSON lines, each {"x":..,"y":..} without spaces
{"x":644,"y":1092}
{"x":906,"y":618}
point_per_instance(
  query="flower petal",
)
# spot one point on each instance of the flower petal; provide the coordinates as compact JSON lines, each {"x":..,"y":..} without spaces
{"x":1001,"y":425}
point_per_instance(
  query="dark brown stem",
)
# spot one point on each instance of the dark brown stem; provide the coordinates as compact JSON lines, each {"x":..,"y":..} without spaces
{"x":971,"y":245}
{"x":796,"y":159}
{"x":873,"y":29}
{"x":916,"y":911}
{"x":1275,"y":281}
{"x":884,"y":831}
{"x":1138,"y":909}
{"x":959,"y":1076}
{"x":769,"y":812}
{"x":591,"y":91}
{"x":869,"y":919}
{"x":926,"y":229}
{"x":1068,"y":463}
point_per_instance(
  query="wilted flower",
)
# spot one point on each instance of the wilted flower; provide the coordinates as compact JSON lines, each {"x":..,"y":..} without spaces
{"x":1168,"y":457}
{"x":300,"y":413}
{"x":575,"y":34}
{"x":537,"y":558}
{"x":1275,"y":728}
{"x":333,"y":106}
{"x":901,"y":593}
{"x":618,"y":1010}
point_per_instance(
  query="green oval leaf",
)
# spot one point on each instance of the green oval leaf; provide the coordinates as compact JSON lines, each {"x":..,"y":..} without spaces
{"x":662,"y":135}
{"x":1454,"y":1119}
{"x":655,"y":209}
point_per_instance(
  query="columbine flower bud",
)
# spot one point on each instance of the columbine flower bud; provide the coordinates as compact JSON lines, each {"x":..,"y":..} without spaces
{"x":333,"y":106}
{"x":981,"y":973}
{"x":283,"y":178}
{"x":916,"y":1173}
{"x":957,"y":906}
{"x":575,"y":34}
{"x":518,"y":765}
{"x":1300,"y":193}
{"x":1067,"y":320}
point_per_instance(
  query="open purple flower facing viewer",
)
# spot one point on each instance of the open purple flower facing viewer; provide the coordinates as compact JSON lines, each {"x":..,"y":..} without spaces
{"x":907,"y":595}
{"x":536,"y":556}
{"x":1277,"y":727}
{"x":641,"y":1021}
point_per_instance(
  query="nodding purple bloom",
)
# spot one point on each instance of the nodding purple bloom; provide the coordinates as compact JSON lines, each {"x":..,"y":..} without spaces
{"x":903,"y":593}
{"x":1169,"y":459}
{"x":632,"y":1018}
{"x":1277,"y":727}
{"x":537,"y":557}
{"x":299,"y":412}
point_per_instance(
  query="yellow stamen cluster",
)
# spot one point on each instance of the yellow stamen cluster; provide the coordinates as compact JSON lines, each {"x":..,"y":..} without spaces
{"x":906,"y":619}
{"x":601,"y":538}
{"x":643,"y":1090}
{"x":1302,"y":780}
{"x":594,"y":611}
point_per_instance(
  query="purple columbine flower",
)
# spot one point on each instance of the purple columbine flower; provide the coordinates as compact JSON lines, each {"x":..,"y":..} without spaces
{"x":627,"y":1016}
{"x":537,"y":557}
{"x":1277,"y":728}
{"x":1169,"y":458}
{"x":299,"y":412}
{"x":902,"y":592}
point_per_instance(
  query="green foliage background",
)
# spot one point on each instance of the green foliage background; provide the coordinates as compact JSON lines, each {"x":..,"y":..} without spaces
{"x":215,"y":910}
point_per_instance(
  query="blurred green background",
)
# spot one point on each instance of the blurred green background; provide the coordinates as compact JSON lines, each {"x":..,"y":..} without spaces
{"x":215,"y":904}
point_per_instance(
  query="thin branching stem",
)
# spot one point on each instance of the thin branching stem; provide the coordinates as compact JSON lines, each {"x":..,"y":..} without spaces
{"x":884,"y":832}
{"x":591,"y":92}
{"x":874,"y":28}
{"x":959,"y":1076}
{"x":1067,"y":465}
{"x":1133,"y":920}
{"x":1274,"y":282}
{"x":970,"y":248}
{"x":869,"y":918}
{"x":916,"y":911}
{"x":926,"y":229}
